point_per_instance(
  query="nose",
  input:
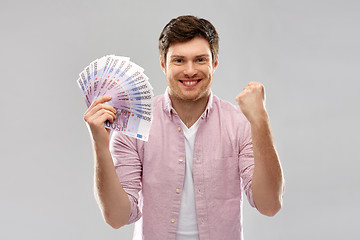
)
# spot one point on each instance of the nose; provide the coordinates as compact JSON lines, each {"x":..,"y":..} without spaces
{"x":190,"y":69}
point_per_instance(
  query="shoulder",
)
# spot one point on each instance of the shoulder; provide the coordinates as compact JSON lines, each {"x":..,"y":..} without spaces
{"x":159,"y":98}
{"x":232,"y":120}
{"x":159,"y":101}
{"x":227,"y":109}
{"x":229,"y":117}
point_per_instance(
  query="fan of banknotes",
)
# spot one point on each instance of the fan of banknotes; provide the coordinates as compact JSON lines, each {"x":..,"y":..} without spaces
{"x":130,"y":89}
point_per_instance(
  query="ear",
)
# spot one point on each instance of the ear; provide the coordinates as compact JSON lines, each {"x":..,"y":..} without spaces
{"x":216,"y":63}
{"x":162,"y":65}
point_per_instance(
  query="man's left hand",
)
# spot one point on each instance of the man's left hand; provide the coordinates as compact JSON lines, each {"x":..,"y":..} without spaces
{"x":252,"y":102}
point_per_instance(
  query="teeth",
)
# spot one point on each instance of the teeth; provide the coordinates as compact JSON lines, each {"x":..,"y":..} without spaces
{"x":188,"y":83}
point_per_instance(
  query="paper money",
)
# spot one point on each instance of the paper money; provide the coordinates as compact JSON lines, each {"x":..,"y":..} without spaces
{"x":131,"y":92}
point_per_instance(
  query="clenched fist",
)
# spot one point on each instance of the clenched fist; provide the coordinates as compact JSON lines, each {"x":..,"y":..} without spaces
{"x":252,"y":102}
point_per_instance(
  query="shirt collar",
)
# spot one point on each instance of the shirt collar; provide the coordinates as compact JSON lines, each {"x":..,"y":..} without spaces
{"x":170,"y":110}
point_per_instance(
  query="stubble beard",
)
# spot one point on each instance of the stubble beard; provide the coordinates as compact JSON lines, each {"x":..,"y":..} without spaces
{"x":179,"y":96}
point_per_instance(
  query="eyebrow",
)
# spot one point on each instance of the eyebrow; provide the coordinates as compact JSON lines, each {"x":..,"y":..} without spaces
{"x":201,"y":55}
{"x":176,"y":56}
{"x":204,"y":55}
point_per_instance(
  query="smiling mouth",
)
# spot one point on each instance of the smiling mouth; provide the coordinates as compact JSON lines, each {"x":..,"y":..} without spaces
{"x":190,"y":83}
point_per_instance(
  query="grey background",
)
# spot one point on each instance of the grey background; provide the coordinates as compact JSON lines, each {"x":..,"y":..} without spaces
{"x":305,"y":52}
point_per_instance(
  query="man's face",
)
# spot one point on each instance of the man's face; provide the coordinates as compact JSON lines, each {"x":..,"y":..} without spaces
{"x":189,"y":69}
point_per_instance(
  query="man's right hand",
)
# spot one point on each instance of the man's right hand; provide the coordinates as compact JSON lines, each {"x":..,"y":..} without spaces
{"x":111,"y":197}
{"x":96,"y":115}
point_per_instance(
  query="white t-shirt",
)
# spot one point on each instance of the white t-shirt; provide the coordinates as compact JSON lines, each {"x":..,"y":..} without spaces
{"x":187,"y":226}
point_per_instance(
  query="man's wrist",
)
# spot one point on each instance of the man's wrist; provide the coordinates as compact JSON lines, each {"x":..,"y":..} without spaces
{"x":260,"y":119}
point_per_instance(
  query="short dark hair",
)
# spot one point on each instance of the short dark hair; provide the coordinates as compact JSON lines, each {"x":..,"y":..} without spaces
{"x":185,"y":28}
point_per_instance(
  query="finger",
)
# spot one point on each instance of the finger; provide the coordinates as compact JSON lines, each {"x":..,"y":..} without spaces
{"x":256,"y":85}
{"x":103,"y":99}
{"x":99,"y":116}
{"x":252,"y":83}
{"x":239,"y":96}
{"x":97,"y":108}
{"x":104,"y":111}
{"x":246,"y":89}
{"x":101,"y":106}
{"x":100,"y":120}
{"x":100,"y":100}
{"x":108,"y":107}
{"x":106,"y":116}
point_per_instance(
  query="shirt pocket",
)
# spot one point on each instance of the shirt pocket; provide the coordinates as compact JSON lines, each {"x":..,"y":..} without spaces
{"x":225,"y":177}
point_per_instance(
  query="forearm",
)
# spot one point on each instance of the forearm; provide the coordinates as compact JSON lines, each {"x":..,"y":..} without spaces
{"x":267,"y":181}
{"x":112,"y":199}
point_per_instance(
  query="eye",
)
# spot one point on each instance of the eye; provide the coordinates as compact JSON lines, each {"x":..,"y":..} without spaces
{"x":177,"y":60}
{"x":201,"y":59}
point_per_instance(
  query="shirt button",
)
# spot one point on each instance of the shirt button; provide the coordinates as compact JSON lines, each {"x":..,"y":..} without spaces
{"x":181,"y":159}
{"x":177,"y":190}
{"x":172,"y":220}
{"x":179,"y":129}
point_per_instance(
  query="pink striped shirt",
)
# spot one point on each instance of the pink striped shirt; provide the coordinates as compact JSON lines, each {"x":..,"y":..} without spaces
{"x":152,"y":173}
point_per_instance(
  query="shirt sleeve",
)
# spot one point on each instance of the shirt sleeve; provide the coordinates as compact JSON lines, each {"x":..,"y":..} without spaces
{"x":246,"y":161}
{"x":129,"y":169}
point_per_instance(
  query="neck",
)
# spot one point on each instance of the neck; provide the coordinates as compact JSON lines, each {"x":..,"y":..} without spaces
{"x":189,"y":111}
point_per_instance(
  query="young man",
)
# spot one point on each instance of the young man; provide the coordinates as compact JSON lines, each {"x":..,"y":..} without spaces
{"x":186,"y":182}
